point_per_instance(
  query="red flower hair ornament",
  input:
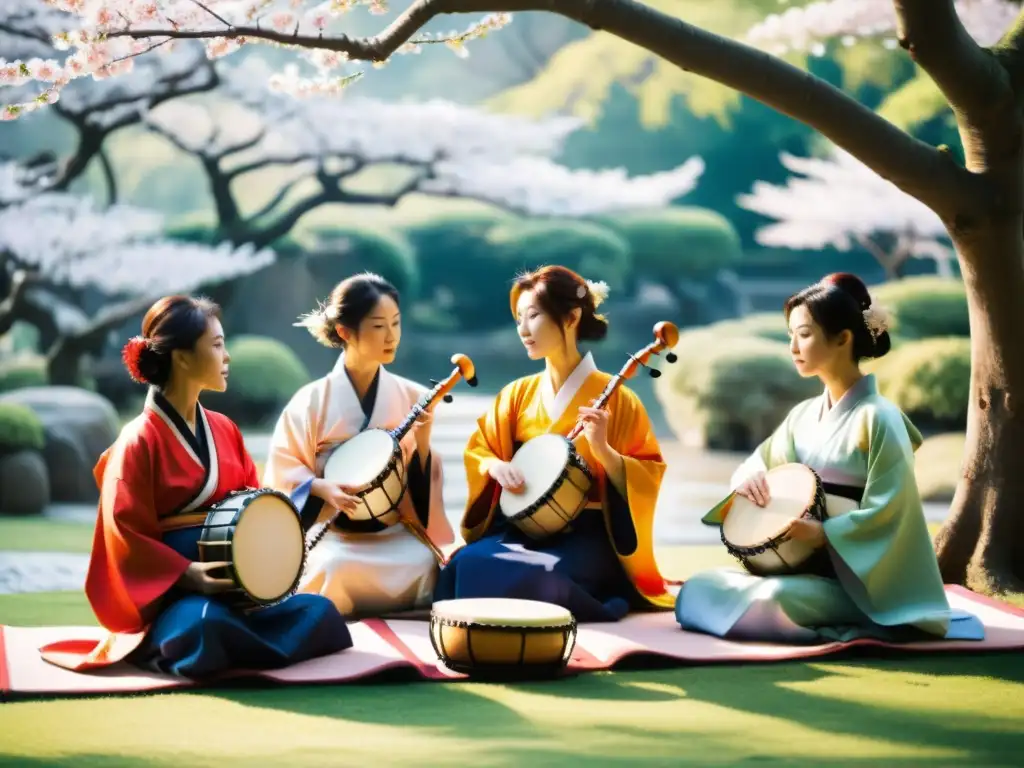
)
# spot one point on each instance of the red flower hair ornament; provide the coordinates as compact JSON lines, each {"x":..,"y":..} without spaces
{"x":130,"y":355}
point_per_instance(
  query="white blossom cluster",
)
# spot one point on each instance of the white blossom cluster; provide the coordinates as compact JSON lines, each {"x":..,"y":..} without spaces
{"x":465,"y":151}
{"x":93,"y":31}
{"x":807,"y":27}
{"x":118,"y":250}
{"x":31,"y":37}
{"x":831,"y":201}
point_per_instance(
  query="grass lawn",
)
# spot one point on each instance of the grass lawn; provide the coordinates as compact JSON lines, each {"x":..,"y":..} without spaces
{"x":888,"y":710}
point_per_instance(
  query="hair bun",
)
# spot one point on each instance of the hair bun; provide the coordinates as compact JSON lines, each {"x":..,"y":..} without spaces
{"x":131,"y":355}
{"x":852,"y":285}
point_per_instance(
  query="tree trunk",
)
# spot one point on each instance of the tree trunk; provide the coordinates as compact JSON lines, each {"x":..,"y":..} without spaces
{"x":981,"y":544}
{"x":64,"y":363}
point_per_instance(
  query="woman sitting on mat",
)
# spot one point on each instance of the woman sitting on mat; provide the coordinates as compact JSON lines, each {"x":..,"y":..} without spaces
{"x":363,"y":566}
{"x":603,"y":563}
{"x":875,"y":571}
{"x":144,"y":581}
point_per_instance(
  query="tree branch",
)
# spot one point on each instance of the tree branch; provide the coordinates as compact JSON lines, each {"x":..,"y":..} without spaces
{"x":330,"y":192}
{"x":1010,"y":51}
{"x":108,"y":176}
{"x":11,"y":306}
{"x":265,"y":162}
{"x":276,"y":200}
{"x":915,"y":167}
{"x":969,"y":77}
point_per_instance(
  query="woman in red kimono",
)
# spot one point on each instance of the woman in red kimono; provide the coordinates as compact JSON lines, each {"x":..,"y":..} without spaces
{"x":173,"y":460}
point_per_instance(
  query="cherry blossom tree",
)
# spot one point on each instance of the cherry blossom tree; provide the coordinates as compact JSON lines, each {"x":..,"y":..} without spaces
{"x":838,"y":202}
{"x":95,"y":108}
{"x":54,"y":245}
{"x":981,"y":203}
{"x":449,"y":150}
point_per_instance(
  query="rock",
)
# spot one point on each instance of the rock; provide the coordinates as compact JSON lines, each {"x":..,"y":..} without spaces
{"x":24,"y":484}
{"x":79,"y":426}
{"x":42,"y":572}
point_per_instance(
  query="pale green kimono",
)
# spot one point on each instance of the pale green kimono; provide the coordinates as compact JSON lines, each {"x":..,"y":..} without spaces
{"x":887,"y":581}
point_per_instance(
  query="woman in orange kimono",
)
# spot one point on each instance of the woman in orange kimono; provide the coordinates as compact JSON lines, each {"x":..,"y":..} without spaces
{"x":603,"y":563}
{"x":144,"y":581}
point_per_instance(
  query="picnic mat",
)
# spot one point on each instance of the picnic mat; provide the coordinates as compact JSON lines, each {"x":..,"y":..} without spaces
{"x":380,"y":645}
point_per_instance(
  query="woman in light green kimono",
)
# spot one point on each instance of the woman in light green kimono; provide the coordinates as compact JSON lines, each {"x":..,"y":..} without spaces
{"x":876,"y":574}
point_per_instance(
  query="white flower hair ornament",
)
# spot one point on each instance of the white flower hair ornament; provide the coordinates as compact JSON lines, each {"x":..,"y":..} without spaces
{"x":598,"y":290}
{"x":876,"y":318}
{"x":316,"y":318}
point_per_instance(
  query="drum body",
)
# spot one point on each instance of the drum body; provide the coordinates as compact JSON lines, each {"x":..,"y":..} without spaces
{"x":260,"y":533}
{"x":756,"y":536}
{"x":558,"y":482}
{"x":371,"y":462}
{"x":501,"y":638}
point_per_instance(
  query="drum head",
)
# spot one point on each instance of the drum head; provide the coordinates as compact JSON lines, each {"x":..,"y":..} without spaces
{"x":268,"y":547}
{"x":358,"y":461}
{"x":792,"y":489}
{"x":502,"y":611}
{"x":541,"y":460}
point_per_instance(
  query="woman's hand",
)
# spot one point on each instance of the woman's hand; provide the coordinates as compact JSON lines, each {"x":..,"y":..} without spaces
{"x":336,"y":495}
{"x":507,"y":476}
{"x":595,"y":428}
{"x":808,"y":530}
{"x":198,"y":578}
{"x":424,"y":421}
{"x":755,"y":488}
{"x":421,"y":429}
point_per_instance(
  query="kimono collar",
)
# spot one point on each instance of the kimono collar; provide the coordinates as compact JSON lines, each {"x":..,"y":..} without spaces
{"x":554,"y":404}
{"x":339,"y":367}
{"x":155,"y":401}
{"x":865,"y":387}
{"x":200,"y":445}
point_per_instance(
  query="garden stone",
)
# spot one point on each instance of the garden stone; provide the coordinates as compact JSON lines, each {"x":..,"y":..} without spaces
{"x":79,"y":426}
{"x":24,"y":484}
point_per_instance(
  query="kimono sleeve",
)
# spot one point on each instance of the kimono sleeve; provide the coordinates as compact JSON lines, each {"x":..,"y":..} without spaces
{"x":130,"y":568}
{"x":491,"y":441}
{"x":291,"y":458}
{"x":882,"y":551}
{"x":631,"y":520}
{"x":249,"y":469}
{"x":774,"y":450}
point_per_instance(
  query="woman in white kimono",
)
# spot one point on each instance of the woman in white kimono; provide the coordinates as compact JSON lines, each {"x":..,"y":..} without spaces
{"x":363,"y":567}
{"x":875,"y":572}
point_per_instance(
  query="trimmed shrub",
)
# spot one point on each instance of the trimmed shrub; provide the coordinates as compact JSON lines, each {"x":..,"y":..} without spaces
{"x":589,"y":249}
{"x":345,"y":251}
{"x":930,"y":380}
{"x":670,"y":244}
{"x":20,"y":429}
{"x":729,"y":396}
{"x":924,"y":307}
{"x":761,"y":325}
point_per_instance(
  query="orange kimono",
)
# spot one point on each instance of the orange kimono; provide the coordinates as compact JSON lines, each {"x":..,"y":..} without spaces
{"x":155,"y":482}
{"x":604,"y":563}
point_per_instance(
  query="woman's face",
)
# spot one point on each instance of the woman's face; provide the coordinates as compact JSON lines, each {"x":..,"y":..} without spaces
{"x":206,"y":364}
{"x":379,"y":333}
{"x":813,"y":352}
{"x":539,"y":332}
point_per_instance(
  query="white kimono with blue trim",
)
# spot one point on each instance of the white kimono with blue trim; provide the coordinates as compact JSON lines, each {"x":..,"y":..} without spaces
{"x":886,"y":581}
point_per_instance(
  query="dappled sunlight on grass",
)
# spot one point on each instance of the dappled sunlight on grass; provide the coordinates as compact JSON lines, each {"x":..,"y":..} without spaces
{"x":961,"y":697}
{"x":894,"y":711}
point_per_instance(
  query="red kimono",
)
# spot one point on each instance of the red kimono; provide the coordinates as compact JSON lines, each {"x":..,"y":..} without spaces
{"x":155,"y":481}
